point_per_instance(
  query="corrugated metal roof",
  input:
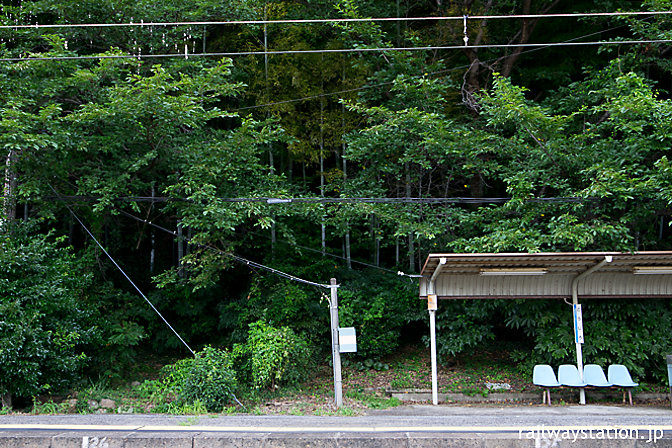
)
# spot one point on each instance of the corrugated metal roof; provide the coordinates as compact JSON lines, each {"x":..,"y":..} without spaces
{"x":460,"y":277}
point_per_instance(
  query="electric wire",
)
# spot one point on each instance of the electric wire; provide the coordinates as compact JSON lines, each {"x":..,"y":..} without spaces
{"x":339,"y":257}
{"x":329,"y":51}
{"x":340,"y":20}
{"x":327,"y":200}
{"x":437,"y":72}
{"x":241,"y":260}
{"x":233,"y":395}
{"x":86,"y":229}
{"x":382,"y":84}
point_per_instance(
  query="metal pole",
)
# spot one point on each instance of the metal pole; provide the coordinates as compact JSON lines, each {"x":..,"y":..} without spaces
{"x":432,"y":336}
{"x":575,"y":301}
{"x":579,"y":366}
{"x":335,"y":349}
{"x":432,"y":305}
{"x":669,"y":374}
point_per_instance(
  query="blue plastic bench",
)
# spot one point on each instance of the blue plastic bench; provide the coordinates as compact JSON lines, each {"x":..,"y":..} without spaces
{"x":619,"y":376}
{"x":593,"y":375}
{"x":568,"y":375}
{"x":544,"y":376}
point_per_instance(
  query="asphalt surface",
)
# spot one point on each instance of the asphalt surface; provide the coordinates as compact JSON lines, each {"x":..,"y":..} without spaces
{"x":407,"y":426}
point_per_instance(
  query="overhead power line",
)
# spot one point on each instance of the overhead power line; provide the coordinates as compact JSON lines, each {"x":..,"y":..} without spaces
{"x":373,"y":86}
{"x":331,"y":51}
{"x":339,"y":257}
{"x":241,"y":260}
{"x":86,"y":229}
{"x":326,"y":200}
{"x":341,"y":20}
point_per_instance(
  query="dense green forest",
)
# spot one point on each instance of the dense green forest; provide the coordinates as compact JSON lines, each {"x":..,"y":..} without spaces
{"x":211,"y":147}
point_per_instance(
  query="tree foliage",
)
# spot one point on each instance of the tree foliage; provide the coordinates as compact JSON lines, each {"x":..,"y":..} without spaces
{"x":46,"y":315}
{"x":159,"y":153}
{"x":273,"y":356}
{"x":207,"y":380}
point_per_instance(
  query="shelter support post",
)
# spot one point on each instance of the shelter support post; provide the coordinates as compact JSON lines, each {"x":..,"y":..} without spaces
{"x":579,"y":366}
{"x":432,"y":306}
{"x":432,"y":335}
{"x":575,"y":301}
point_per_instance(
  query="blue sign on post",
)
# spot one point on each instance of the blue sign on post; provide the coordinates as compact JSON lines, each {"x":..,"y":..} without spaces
{"x":578,"y":324}
{"x":347,"y":340}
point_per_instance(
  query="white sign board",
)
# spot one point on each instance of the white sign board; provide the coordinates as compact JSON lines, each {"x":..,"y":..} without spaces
{"x":578,"y":325}
{"x":347,"y":340}
{"x":432,"y":304}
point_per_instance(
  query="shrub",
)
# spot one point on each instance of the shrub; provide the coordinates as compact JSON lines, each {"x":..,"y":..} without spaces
{"x":283,"y":302}
{"x":380,"y":306}
{"x":46,"y":316}
{"x":463,"y":325}
{"x":631,"y":332}
{"x":208,"y":379}
{"x":274,"y":356}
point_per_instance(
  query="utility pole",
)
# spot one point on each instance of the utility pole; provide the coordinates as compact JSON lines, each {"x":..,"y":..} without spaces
{"x":335,"y":348}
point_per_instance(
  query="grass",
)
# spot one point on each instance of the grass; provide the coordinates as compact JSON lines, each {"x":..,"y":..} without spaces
{"x":49,"y":407}
{"x":365,"y":388}
{"x":372,"y":400}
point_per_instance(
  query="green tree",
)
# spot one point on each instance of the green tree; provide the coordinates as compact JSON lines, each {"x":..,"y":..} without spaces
{"x":599,"y":140}
{"x":46,"y":315}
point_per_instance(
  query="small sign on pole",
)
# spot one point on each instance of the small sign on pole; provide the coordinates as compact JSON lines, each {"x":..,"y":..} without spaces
{"x":578,"y":324}
{"x":432,"y":304}
{"x":347,"y":340}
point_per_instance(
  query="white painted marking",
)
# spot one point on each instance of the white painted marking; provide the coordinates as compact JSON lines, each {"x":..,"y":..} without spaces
{"x":327,"y":428}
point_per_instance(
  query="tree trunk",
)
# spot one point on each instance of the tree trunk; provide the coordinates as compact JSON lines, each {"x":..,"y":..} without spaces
{"x":152,"y":236}
{"x":270,"y":147}
{"x":396,"y":252}
{"x":6,"y":401}
{"x":274,"y":239}
{"x":9,"y":191}
{"x":526,"y":29}
{"x":303,"y":174}
{"x":411,"y":250}
{"x":471,"y":81}
{"x":376,"y":241}
{"x":180,"y":249}
{"x":323,"y":225}
{"x":290,"y":168}
{"x":347,"y":247}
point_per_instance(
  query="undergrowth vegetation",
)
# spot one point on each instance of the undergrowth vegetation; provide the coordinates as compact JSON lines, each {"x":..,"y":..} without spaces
{"x":208,"y":384}
{"x":232,"y":191}
{"x":207,"y":380}
{"x":271,"y":358}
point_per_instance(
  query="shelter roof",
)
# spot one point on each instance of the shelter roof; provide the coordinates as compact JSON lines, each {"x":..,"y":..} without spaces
{"x":555,"y":262}
{"x":512,"y":275}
